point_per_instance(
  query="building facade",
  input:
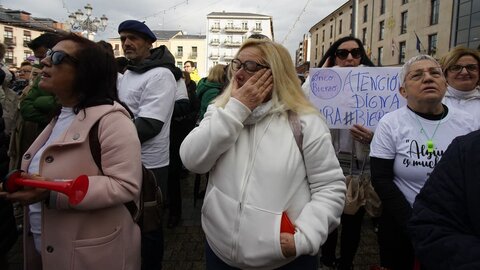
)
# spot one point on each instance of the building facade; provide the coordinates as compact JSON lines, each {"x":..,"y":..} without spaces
{"x":190,"y":48}
{"x":303,"y":51}
{"x":336,"y":25}
{"x":466,"y":24}
{"x":18,"y":28}
{"x":183,"y":47}
{"x":392,"y":31}
{"x":226,"y":31}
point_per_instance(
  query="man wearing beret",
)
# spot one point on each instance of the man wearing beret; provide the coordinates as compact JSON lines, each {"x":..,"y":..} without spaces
{"x":148,"y":88}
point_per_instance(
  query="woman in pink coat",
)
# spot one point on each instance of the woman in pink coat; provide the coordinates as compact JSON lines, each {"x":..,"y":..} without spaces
{"x":98,"y":232}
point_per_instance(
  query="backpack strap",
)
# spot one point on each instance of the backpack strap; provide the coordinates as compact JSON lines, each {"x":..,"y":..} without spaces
{"x":296,"y":127}
{"x":96,"y":151}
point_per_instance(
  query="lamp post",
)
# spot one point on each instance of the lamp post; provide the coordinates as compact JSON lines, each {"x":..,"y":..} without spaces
{"x":80,"y":21}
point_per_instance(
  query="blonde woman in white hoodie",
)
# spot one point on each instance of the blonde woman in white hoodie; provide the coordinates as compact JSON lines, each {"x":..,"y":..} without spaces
{"x":259,"y":174}
{"x":461,"y":68}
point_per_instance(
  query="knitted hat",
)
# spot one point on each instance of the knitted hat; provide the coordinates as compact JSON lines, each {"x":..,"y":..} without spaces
{"x":136,"y":26}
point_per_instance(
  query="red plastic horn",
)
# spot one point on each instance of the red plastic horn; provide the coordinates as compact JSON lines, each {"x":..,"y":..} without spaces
{"x":75,"y":189}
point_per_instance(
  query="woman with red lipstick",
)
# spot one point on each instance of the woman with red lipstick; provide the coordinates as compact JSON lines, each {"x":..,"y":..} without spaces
{"x":461,"y":67}
{"x":98,"y":232}
{"x":407,"y":145}
{"x":258,"y":171}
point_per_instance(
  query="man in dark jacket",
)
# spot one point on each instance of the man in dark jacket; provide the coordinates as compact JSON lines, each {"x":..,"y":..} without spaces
{"x":148,"y":88}
{"x":445,"y":226}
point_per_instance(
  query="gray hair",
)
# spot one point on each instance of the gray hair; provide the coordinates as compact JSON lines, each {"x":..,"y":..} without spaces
{"x":411,"y":61}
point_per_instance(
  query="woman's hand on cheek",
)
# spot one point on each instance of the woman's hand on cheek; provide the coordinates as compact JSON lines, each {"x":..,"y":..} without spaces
{"x":255,"y":90}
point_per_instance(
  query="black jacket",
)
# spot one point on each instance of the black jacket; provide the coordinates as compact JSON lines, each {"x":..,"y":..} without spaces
{"x":445,"y":225}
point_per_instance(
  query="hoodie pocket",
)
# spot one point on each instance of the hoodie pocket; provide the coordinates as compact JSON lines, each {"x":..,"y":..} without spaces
{"x":218,"y":218}
{"x":106,"y":252}
{"x":259,"y":237}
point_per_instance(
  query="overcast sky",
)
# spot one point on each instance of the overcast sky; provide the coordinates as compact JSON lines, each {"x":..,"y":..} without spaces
{"x":296,"y":17}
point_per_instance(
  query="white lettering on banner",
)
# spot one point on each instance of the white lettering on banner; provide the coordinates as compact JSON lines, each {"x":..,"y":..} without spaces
{"x":359,"y":95}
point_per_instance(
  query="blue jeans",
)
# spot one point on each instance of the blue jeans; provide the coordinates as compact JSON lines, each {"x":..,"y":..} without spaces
{"x":304,"y":262}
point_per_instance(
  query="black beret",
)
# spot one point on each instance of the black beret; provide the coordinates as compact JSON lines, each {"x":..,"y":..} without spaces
{"x":136,"y":26}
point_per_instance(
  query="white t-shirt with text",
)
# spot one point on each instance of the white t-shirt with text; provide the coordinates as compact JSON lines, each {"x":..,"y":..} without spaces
{"x":399,"y":136}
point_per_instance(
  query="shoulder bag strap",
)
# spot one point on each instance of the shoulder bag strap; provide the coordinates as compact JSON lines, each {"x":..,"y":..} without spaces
{"x":96,"y":151}
{"x":296,"y":127}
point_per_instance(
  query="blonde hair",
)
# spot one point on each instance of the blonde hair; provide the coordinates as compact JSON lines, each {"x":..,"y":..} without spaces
{"x":287,"y":93}
{"x":216,"y":74}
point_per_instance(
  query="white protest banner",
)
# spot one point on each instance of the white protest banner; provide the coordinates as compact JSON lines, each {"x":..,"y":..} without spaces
{"x":359,"y":95}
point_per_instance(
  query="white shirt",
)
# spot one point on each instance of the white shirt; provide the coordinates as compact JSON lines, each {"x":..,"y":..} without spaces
{"x":64,"y":120}
{"x":398,"y":136}
{"x":151,"y":95}
{"x":181,"y":92}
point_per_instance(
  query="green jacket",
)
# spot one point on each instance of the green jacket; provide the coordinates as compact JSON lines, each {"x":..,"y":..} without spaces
{"x":38,"y":106}
{"x":207,"y":91}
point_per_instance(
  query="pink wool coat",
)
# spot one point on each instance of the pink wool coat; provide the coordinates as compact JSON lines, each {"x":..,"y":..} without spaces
{"x":99,"y":232}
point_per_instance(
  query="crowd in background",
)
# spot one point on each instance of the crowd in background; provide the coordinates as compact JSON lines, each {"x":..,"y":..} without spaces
{"x":227,"y":125}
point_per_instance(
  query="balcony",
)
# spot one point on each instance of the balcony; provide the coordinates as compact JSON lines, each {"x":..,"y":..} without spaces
{"x":233,"y":29}
{"x":215,"y":42}
{"x":227,"y":57}
{"x":257,"y":30}
{"x":25,"y":42}
{"x":214,"y":56}
{"x":230,"y":43}
{"x":193,"y":55}
{"x":10,"y":41}
{"x":215,"y":29}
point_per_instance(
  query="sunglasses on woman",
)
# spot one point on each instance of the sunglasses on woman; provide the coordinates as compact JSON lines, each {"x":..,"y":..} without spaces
{"x":57,"y":57}
{"x":248,"y":66}
{"x":343,"y":53}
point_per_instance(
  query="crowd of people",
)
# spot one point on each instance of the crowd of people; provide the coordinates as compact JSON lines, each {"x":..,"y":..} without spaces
{"x":276,"y":191}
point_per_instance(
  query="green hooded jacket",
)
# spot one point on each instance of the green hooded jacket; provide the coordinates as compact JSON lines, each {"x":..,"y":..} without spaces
{"x":38,"y":106}
{"x":207,"y":91}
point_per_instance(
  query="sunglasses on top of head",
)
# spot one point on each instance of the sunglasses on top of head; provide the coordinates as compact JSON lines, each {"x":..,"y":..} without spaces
{"x":57,"y":57}
{"x":343,"y":53}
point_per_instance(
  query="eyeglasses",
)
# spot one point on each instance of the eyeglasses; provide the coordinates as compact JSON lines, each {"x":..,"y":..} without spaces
{"x":24,"y":71}
{"x":459,"y":68}
{"x":417,"y":75}
{"x":57,"y":57}
{"x":248,"y":66}
{"x":343,"y":53}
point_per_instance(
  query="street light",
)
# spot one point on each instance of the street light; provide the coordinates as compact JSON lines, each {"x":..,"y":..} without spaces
{"x":82,"y":21}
